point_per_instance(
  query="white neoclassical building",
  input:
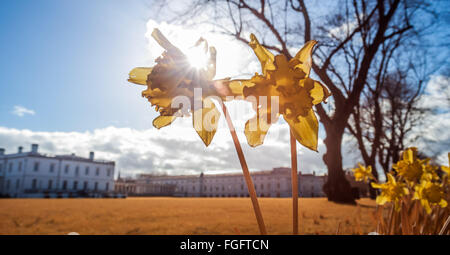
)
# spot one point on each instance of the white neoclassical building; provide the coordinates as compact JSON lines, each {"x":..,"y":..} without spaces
{"x":272,"y":183}
{"x":33,"y":174}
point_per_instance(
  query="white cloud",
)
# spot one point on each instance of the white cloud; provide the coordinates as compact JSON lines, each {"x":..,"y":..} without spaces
{"x":22,"y":111}
{"x":437,"y":93}
{"x":434,"y":135}
{"x":175,"y":149}
{"x":344,"y":30}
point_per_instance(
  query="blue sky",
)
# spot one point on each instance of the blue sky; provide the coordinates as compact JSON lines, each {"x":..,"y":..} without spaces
{"x":68,"y":61}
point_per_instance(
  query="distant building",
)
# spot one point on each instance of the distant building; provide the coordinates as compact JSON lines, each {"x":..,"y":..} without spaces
{"x":32,"y":174}
{"x":272,"y":183}
{"x":311,"y":185}
{"x":125,"y":186}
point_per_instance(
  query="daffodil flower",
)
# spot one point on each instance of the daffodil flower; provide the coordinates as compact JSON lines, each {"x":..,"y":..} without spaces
{"x":174,"y":76}
{"x":413,"y":169}
{"x":429,"y":194}
{"x":363,"y":173}
{"x":287,"y":80}
{"x":391,"y":191}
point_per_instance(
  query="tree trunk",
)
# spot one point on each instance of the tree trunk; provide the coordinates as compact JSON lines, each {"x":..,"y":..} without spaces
{"x":337,"y":188}
{"x":373,"y":192}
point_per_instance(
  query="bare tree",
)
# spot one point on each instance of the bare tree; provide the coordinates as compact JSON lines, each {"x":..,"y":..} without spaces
{"x":402,"y":115}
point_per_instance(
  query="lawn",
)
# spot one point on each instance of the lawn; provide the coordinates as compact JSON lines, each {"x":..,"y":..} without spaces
{"x":160,"y":215}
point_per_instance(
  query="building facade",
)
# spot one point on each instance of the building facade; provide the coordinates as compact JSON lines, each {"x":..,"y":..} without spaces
{"x":32,"y":174}
{"x":272,"y":183}
{"x":125,"y":186}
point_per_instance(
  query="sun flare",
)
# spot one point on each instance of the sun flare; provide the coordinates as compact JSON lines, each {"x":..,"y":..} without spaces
{"x":197,"y":58}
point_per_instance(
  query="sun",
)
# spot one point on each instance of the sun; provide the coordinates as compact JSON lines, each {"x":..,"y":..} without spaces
{"x":197,"y":58}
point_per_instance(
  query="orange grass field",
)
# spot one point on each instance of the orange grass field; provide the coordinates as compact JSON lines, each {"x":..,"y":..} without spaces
{"x":161,"y":215}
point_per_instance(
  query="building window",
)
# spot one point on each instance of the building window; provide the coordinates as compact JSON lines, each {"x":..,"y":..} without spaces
{"x":108,"y":172}
{"x":85,"y":185}
{"x":97,"y":171}
{"x":66,"y":169}
{"x":50,"y":184}
{"x":34,"y":184}
{"x":7,"y":184}
{"x":86,"y":171}
{"x":20,"y":166}
{"x":107,"y":186}
{"x":75,"y":185}
{"x":1,"y":167}
{"x":36,"y":166}
{"x":52,"y":167}
{"x":193,"y":188}
{"x":17,"y":183}
{"x":262,"y":186}
{"x":242,"y":186}
{"x":77,"y":170}
{"x":64,"y":187}
{"x":95,"y":186}
{"x":10,"y":167}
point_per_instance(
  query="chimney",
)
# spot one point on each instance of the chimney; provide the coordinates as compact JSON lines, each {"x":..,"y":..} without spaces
{"x":91,"y":155}
{"x":20,"y":149}
{"x":34,"y":148}
{"x":2,"y":151}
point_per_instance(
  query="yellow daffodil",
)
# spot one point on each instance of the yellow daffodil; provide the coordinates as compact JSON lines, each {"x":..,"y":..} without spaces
{"x":289,"y":81}
{"x":363,"y":173}
{"x":413,"y":169}
{"x":175,"y":76}
{"x":391,"y":191}
{"x":429,"y":194}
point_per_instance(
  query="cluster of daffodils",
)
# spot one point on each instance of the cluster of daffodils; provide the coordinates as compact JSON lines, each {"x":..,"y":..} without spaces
{"x":288,"y":81}
{"x":412,"y":177}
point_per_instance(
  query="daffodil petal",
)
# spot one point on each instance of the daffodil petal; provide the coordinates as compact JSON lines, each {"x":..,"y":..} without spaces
{"x":232,"y":88}
{"x":139,"y":75}
{"x":381,"y":200}
{"x":162,"y":40}
{"x":426,"y":205}
{"x":162,"y":121}
{"x":205,"y":121}
{"x":391,"y":178}
{"x":305,"y":130}
{"x":319,"y":92}
{"x":257,"y":127}
{"x":304,"y":56}
{"x":443,"y":203}
{"x":265,"y":57}
{"x":255,"y":137}
{"x":376,"y":185}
